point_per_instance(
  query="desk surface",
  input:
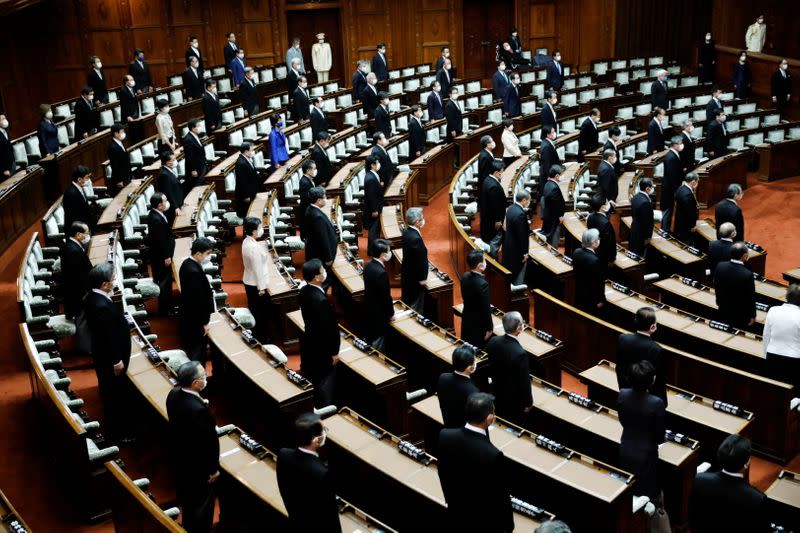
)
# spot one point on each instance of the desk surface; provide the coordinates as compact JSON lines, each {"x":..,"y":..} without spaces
{"x":191,"y":204}
{"x":392,"y":222}
{"x":435,"y":340}
{"x":669,"y":247}
{"x":121,"y":200}
{"x":548,"y":257}
{"x":576,"y":226}
{"x":433,"y":282}
{"x":704,"y":296}
{"x":786,"y":489}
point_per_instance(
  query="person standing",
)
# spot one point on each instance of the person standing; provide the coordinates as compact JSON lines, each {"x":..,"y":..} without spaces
{"x":140,"y":71}
{"x":590,"y":273}
{"x":75,"y":267}
{"x":212,"y":112}
{"x":555,"y":72}
{"x":445,"y":77}
{"x":452,"y":111}
{"x":717,"y":135}
{"x":321,"y":237}
{"x":380,"y":66}
{"x":414,"y":270}
{"x":373,"y":202}
{"x":237,"y":68}
{"x":509,"y":366}
{"x":589,"y":137}
{"x":686,"y":210}
{"x":655,"y":131}
{"x":386,"y":168}
{"x":742,"y":78}
{"x":639,"y":346}
{"x":434,"y":102}
{"x":162,"y":247}
{"x":383,"y":122}
{"x":756,"y":35}
{"x":165,"y":127}
{"x":317,"y":117}
{"x":476,"y":315}
{"x":500,"y":81}
{"x":256,"y":275}
{"x":309,"y":169}
{"x":453,"y":388}
{"x":735,"y":289}
{"x":86,"y":122}
{"x":128,"y":105}
{"x":553,"y":207}
{"x":295,"y":53}
{"x":369,"y":96}
{"x":230,"y":49}
{"x":442,"y":58}
{"x":76,"y":205}
{"x":119,"y":159}
{"x":687,"y":153}
{"x":193,"y":51}
{"x":249,"y":94}
{"x":302,"y":100}
{"x":493,"y":205}
{"x":359,"y":81}
{"x":728,"y":210}
{"x":713,"y":104}
{"x":673,"y":176}
{"x":659,"y":90}
{"x":197,"y":300}
{"x":643,"y":220}
{"x":277,"y":142}
{"x":719,"y":251}
{"x":511,"y":100}
{"x":607,"y":184}
{"x":511,"y":150}
{"x":47,"y":133}
{"x":417,"y":139}
{"x":321,"y":58}
{"x":485,"y":164}
{"x":96,"y":79}
{"x":516,"y":236}
{"x":598,"y":219}
{"x":549,"y":119}
{"x":782,"y":338}
{"x":247,"y":181}
{"x":707,"y":62}
{"x":319,"y":154}
{"x":194,"y":157}
{"x":378,"y":303}
{"x":548,"y":156}
{"x":782,"y":86}
{"x":194,"y":447}
{"x":193,"y":79}
{"x":167,"y":183}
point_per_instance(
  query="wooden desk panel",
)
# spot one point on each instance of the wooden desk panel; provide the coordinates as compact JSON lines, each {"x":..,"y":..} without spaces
{"x":783,"y":499}
{"x":434,"y":171}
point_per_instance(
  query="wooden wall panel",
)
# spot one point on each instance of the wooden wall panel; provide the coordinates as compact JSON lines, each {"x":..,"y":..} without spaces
{"x":732,"y":17}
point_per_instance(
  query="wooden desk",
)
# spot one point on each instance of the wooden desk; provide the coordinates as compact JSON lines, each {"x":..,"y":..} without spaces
{"x":23,"y":200}
{"x":133,"y":510}
{"x":185,"y":224}
{"x":792,"y":276}
{"x":275,"y":181}
{"x":559,"y":278}
{"x":392,"y":224}
{"x":403,"y":190}
{"x":114,"y":213}
{"x":438,"y":293}
{"x":783,"y":499}
{"x":707,"y":232}
{"x":671,"y":255}
{"x":342,"y":177}
{"x":10,"y":520}
{"x":717,"y":174}
{"x":778,"y":160}
{"x":58,"y":167}
{"x":434,"y":171}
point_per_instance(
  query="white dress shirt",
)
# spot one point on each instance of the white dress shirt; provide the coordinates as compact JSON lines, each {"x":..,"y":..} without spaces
{"x":782,"y":331}
{"x":255,"y":258}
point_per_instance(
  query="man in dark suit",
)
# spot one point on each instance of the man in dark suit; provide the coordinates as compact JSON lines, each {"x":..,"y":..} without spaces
{"x":319,"y":154}
{"x":725,"y":500}
{"x":719,"y":251}
{"x":686,"y":210}
{"x":728,"y":210}
{"x":414,"y":270}
{"x":735,"y":289}
{"x":553,"y":207}
{"x":614,"y":134}
{"x":96,"y":79}
{"x":386,"y":168}
{"x":589,"y":137}
{"x":659,"y":90}
{"x":317,"y":116}
{"x":598,"y":219}
{"x":673,"y":176}
{"x":548,"y":156}
{"x":590,"y":273}
{"x":509,"y":366}
{"x":476,"y":316}
{"x":607,"y":184}
{"x":452,"y":112}
{"x":485,"y":164}
{"x":378,"y":303}
{"x":468,"y":459}
{"x":642,"y":215}
{"x":128,"y":105}
{"x":118,"y":158}
{"x":75,"y":267}
{"x":383,"y":123}
{"x":493,"y":203}
{"x":359,"y":81}
{"x":194,"y":154}
{"x":140,"y":71}
{"x":713,"y":104}
{"x":302,"y":100}
{"x":212,"y":112}
{"x":655,"y":132}
{"x":516,"y":236}
{"x":306,"y":184}
{"x":167,"y":182}
{"x":417,"y":140}
{"x":247,"y":181}
{"x":373,"y":202}
{"x":248,"y":94}
{"x":321,"y":237}
{"x":380,"y":65}
{"x":511,"y":99}
{"x":555,"y":72}
{"x":8,"y":164}
{"x":305,"y":485}
{"x":194,"y":447}
{"x":76,"y":206}
{"x":442,"y":58}
{"x":781,"y":86}
{"x":687,"y":154}
{"x":161,"y":242}
{"x":111,"y":348}
{"x":319,"y":343}
{"x":455,"y":387}
{"x":230,"y":49}
{"x":639,"y":346}
{"x":85,"y":115}
{"x":444,"y":76}
{"x":500,"y":81}
{"x":434,"y":102}
{"x":197,"y":300}
{"x":549,"y":114}
{"x":193,"y":50}
{"x":369,"y":96}
{"x":293,"y":77}
{"x":193,"y":79}
{"x":717,"y":135}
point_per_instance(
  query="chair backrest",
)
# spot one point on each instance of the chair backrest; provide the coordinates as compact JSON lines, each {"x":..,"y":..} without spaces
{"x":224,"y":85}
{"x":209,"y":151}
{"x":149,"y":150}
{"x":63,"y":136}
{"x":32,"y":147}
{"x":249,"y":133}
{"x":106,"y":118}
{"x":20,"y":154}
{"x":230,"y":182}
{"x":176,"y":97}
{"x":148,"y":106}
{"x":236,"y":138}
{"x":135,"y":156}
{"x":228,"y":118}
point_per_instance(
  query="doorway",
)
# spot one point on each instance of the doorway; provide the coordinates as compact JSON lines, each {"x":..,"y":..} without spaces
{"x":306,"y":24}
{"x":486,"y":24}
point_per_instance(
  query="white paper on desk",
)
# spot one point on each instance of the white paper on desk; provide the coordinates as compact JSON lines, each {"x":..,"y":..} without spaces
{"x":403,"y":314}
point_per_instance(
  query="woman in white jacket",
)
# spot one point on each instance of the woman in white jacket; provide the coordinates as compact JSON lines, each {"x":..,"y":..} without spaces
{"x":256,"y":276}
{"x":510,"y":142}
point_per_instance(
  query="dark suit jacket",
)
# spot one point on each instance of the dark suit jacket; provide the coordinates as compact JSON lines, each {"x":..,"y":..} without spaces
{"x":85,"y":118}
{"x":468,"y":460}
{"x":120,"y":163}
{"x":728,"y":211}
{"x":211,"y":112}
{"x":445,"y":80}
{"x":386,"y":173}
{"x":509,"y":365}
{"x":48,"y":143}
{"x":75,"y":267}
{"x":719,"y":251}
{"x":588,"y":140}
{"x":655,"y":137}
{"x":76,"y":207}
{"x":736,"y":293}
{"x":307,"y":491}
{"x":511,"y":104}
{"x":607,"y":251}
{"x":301,"y":104}
{"x":193,"y":440}
{"x":190,"y":53}
{"x":608,"y":145}
{"x":717,"y":140}
{"x":499,"y":83}
{"x":687,"y":155}
{"x":382,"y":121}
{"x":686,"y":213}
{"x":324,"y":169}
{"x":417,"y":139}
{"x":673,"y":177}
{"x":455,"y":127}
{"x":369,"y":100}
{"x":642,"y":417}
{"x":197,"y":298}
{"x":607,"y":184}
{"x":552,"y":206}
{"x":321,"y":239}
{"x":781,"y":85}
{"x":548,"y":118}
{"x":141,"y":74}
{"x":160,"y":239}
{"x":476,"y":318}
{"x":195,"y":156}
{"x":643,"y":223}
{"x":98,"y":85}
{"x":493,"y":207}
{"x":378,"y":304}
{"x":168,"y":184}
{"x":318,"y":122}
{"x":306,"y":183}
{"x":228,"y":53}
{"x":435,"y":106}
{"x":590,"y":274}
{"x":720,"y":502}
{"x":515,"y":238}
{"x":111,"y":339}
{"x":415,"y":264}
{"x":485,"y":167}
{"x":193,"y":83}
{"x":555,"y":78}
{"x":548,"y":156}
{"x":247,"y":182}
{"x":712,"y":106}
{"x":128,"y":105}
{"x":380,"y":66}
{"x":319,"y":343}
{"x":633,"y":348}
{"x":292,"y":80}
{"x":659,"y":94}
{"x":358,"y":83}
{"x":248,"y":94}
{"x":453,"y":391}
{"x":373,"y":199}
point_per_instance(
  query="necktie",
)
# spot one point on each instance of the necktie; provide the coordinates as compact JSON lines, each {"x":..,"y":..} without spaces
{"x":233,"y":46}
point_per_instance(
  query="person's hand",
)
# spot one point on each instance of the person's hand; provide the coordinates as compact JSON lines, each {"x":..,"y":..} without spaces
{"x":178,"y":211}
{"x":194,"y":173}
{"x":247,"y":199}
{"x":700,"y":65}
{"x":419,"y":153}
{"x":205,"y":330}
{"x":374,"y":214}
{"x":168,"y":261}
{"x":118,"y":368}
{"x":788,"y":96}
{"x":423,"y":282}
{"x":213,"y":477}
{"x":583,"y":151}
{"x":647,"y":242}
{"x":6,"y":173}
{"x":561,"y":218}
{"x":487,"y":336}
{"x":139,"y":91}
{"x":498,"y":225}
{"x":97,"y":103}
{"x":335,"y":359}
{"x":85,"y":135}
{"x":751,"y":322}
{"x":262,"y":292}
{"x":246,"y":114}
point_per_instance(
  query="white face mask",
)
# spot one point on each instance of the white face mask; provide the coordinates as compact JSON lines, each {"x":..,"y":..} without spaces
{"x":4,"y":124}
{"x":377,"y":166}
{"x":166,"y":205}
{"x":49,"y":115}
{"x":422,"y":224}
{"x":132,"y":83}
{"x":122,"y":135}
{"x":86,"y":239}
{"x":387,"y":256}
{"x":260,"y":232}
{"x":785,"y":66}
{"x":680,"y":148}
{"x":204,"y":381}
{"x":206,"y":260}
{"x":98,"y":65}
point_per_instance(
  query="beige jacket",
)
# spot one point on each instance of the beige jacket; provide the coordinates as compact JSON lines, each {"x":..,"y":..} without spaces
{"x":755,"y":37}
{"x":255,"y":259}
{"x":510,"y":144}
{"x":321,"y":57}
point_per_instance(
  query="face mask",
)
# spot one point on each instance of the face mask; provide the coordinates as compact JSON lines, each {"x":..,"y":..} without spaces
{"x":141,"y":57}
{"x":241,"y":56}
{"x":454,"y":97}
{"x":785,"y":67}
{"x":321,"y":41}
{"x":48,"y":115}
{"x":86,"y":239}
{"x":4,"y":124}
{"x":166,"y":205}
{"x":708,"y":38}
{"x":122,"y":136}
{"x":377,"y":166}
{"x":387,"y":256}
{"x":760,"y":21}
{"x":204,"y":381}
{"x":680,"y":148}
{"x":206,"y":260}
{"x":132,"y":83}
{"x":690,"y":129}
{"x":279,"y":124}
{"x":98,"y":66}
{"x":422,"y":224}
{"x":324,"y":435}
{"x":259,"y":232}
{"x":165,"y":110}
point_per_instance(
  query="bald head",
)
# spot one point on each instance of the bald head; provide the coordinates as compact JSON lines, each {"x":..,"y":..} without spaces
{"x":727,"y":230}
